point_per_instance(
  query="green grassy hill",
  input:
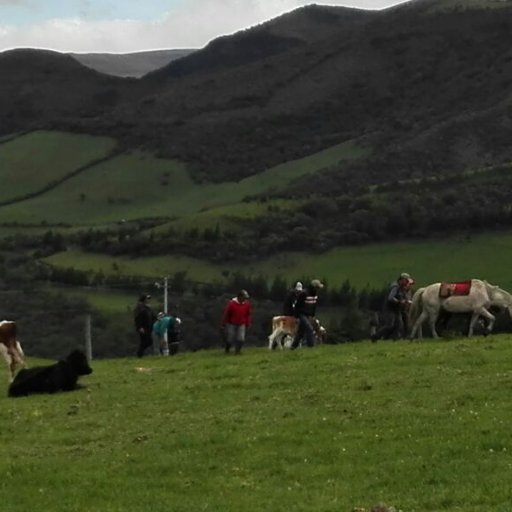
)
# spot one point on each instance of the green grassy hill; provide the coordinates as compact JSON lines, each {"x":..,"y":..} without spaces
{"x":33,"y":161}
{"x":128,"y":186}
{"x":132,"y":186}
{"x":226,"y":217}
{"x":421,"y":427}
{"x":458,"y":259}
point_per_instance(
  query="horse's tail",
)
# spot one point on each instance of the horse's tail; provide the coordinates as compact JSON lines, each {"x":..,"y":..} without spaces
{"x":416,"y":306}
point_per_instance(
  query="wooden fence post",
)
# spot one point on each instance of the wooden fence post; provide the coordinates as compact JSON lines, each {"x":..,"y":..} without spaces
{"x":88,"y":338}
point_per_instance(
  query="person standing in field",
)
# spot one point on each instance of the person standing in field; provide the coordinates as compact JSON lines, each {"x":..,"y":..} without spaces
{"x":236,"y":319}
{"x":305,"y":311}
{"x":396,"y":301}
{"x":291,"y":299}
{"x":144,"y":318}
{"x":404,"y":308}
{"x":160,"y":341}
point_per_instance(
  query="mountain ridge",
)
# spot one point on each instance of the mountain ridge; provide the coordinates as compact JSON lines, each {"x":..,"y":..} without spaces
{"x":389,"y":76}
{"x":134,"y":64}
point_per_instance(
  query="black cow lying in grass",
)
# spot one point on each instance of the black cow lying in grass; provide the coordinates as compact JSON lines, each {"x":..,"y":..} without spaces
{"x":61,"y":376}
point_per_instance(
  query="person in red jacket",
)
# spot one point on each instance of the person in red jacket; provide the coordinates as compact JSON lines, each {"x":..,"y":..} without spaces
{"x":235,"y":321}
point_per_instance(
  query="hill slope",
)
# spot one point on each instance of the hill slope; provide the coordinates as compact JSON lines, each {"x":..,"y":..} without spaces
{"x":303,"y":82}
{"x":415,"y":426}
{"x":40,"y":88}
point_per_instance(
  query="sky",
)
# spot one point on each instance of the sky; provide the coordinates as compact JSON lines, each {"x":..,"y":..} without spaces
{"x":121,"y":26}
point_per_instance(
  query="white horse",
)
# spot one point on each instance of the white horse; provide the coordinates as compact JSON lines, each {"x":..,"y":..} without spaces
{"x":426,"y":305}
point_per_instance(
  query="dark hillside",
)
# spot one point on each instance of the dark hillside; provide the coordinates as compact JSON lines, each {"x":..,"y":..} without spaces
{"x":293,"y":30}
{"x":39,"y":87}
{"x":401,"y":75}
{"x":418,"y":82}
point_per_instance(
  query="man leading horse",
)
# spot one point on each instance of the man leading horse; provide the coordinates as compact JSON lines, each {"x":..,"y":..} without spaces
{"x":395,"y":309}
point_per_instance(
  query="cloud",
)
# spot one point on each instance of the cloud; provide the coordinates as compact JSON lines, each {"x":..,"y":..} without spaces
{"x":190,"y":25}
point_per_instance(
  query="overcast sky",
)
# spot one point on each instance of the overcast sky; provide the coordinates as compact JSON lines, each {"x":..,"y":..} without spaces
{"x":134,"y":25}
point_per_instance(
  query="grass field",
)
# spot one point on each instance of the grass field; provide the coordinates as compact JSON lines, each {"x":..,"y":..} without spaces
{"x":30,"y":162}
{"x":105,"y":300}
{"x":226,"y":217}
{"x":482,"y":256}
{"x":138,"y":185}
{"x":154,"y":266}
{"x":421,"y":427}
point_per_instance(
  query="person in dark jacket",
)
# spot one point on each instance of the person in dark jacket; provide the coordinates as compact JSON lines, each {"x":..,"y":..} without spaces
{"x":291,"y":299}
{"x":394,"y":304}
{"x":305,"y":311}
{"x":144,"y":318}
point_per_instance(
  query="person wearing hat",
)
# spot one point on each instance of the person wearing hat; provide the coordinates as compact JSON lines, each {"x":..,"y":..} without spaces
{"x":305,"y":311}
{"x":235,"y":321}
{"x":144,"y":318}
{"x":395,"y":308}
{"x":291,"y":299}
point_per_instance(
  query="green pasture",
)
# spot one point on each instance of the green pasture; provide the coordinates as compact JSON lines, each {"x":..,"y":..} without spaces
{"x":485,"y":256}
{"x":107,"y":301}
{"x":30,"y":162}
{"x":138,"y":185}
{"x":457,"y":259}
{"x":154,"y":266}
{"x":226,"y":217}
{"x":420,"y":427}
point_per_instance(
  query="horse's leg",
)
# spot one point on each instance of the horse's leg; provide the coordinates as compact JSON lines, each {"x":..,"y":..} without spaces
{"x":418,"y":325}
{"x":474,"y":317}
{"x":433,"y":319}
{"x":486,"y":314}
{"x":443,"y":319}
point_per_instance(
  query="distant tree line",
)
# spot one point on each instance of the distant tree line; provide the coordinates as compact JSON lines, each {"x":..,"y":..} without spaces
{"x":51,"y":317}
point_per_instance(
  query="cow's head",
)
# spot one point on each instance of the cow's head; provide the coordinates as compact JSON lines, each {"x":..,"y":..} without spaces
{"x":78,"y":362}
